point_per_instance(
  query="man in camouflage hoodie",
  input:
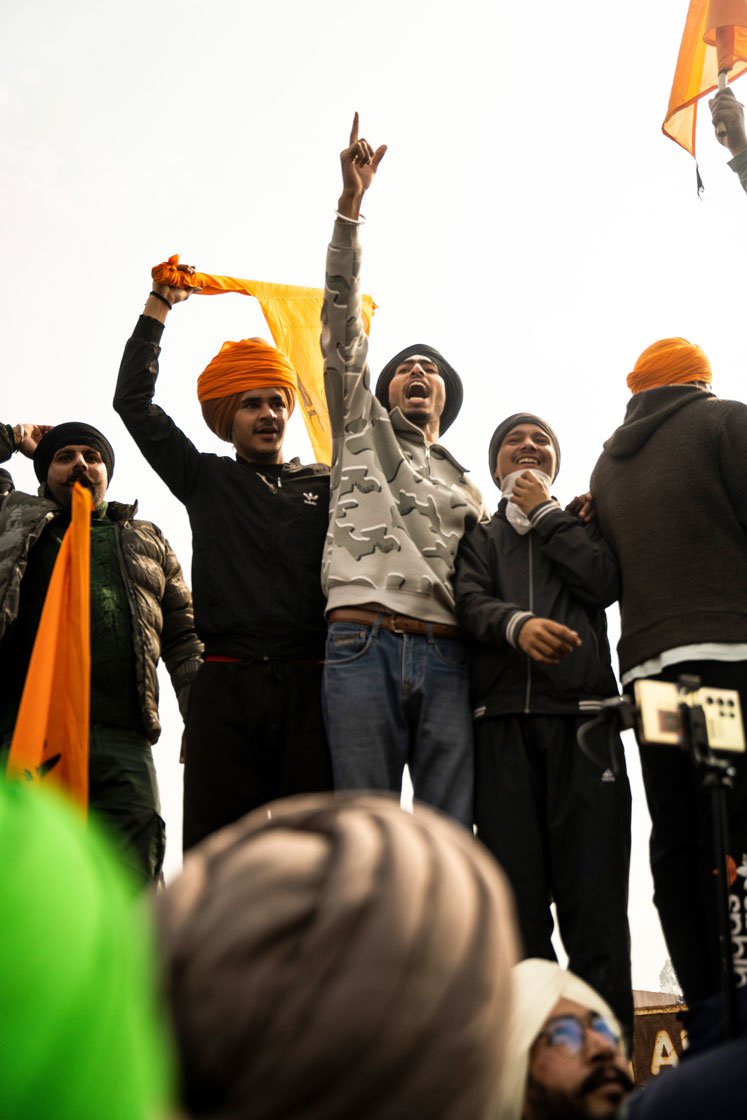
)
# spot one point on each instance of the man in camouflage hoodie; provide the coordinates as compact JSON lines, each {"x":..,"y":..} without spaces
{"x":396,"y":673}
{"x":140,"y":608}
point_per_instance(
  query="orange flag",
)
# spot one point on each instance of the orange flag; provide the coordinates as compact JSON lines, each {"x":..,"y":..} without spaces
{"x":714,"y":40}
{"x":51,"y":732}
{"x":293,"y":315}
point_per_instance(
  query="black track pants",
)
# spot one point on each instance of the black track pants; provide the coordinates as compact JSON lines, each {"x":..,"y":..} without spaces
{"x":254,"y":733}
{"x":560,"y":827}
{"x":681,"y":848}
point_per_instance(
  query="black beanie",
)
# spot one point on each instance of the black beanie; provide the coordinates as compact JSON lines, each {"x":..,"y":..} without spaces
{"x":452,"y":381}
{"x":74,"y":433}
{"x":507,"y":426}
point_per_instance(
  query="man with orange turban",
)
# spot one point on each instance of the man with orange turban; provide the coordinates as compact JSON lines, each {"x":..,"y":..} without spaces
{"x":254,"y":729}
{"x":671,"y":500}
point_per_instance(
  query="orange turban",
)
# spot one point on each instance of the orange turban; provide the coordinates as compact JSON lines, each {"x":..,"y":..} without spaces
{"x":240,"y":366}
{"x":670,"y":361}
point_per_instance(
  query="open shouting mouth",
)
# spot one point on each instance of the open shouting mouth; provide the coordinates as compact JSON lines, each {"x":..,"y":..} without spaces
{"x":417,"y":390}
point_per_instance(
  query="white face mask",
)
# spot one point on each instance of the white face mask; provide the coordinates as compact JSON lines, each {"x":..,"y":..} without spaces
{"x":515,"y":516}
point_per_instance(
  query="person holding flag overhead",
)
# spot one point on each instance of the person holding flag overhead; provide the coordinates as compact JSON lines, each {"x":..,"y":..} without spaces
{"x":140,"y":608}
{"x":728,"y":120}
{"x":254,"y":729}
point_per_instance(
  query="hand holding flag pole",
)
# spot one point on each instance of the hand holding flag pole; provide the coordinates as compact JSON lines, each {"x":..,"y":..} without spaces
{"x":713,"y":53}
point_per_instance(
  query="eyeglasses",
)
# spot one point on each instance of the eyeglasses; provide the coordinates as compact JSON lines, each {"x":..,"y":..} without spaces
{"x":570,"y":1031}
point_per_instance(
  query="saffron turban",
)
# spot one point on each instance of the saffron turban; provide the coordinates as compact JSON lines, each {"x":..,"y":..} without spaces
{"x":536,"y":987}
{"x":72,"y":434}
{"x":452,"y":381}
{"x":239,"y":367}
{"x":81,"y":1034}
{"x":670,"y":361}
{"x":331,"y":956}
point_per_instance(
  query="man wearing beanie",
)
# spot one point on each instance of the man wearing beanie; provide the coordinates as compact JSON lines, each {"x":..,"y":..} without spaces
{"x":140,"y":609}
{"x":531,"y":588}
{"x":670,"y":495}
{"x":396,"y":677}
{"x":254,"y":730}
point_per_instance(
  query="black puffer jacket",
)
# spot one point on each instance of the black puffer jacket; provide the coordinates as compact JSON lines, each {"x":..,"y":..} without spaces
{"x":160,"y":602}
{"x":561,"y":570}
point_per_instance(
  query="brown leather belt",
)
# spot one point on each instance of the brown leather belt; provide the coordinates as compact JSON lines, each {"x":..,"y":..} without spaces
{"x":397,"y":623}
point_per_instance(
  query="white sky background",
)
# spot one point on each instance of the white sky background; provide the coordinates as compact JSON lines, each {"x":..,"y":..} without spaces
{"x":529,"y":219}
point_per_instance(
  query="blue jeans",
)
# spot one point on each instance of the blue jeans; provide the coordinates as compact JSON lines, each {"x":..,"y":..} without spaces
{"x":391,"y":699}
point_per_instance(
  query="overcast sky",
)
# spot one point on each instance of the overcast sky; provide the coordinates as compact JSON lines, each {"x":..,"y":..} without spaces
{"x":529,"y":219}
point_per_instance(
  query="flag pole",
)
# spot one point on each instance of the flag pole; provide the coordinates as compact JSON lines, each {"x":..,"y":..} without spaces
{"x":725,"y":54}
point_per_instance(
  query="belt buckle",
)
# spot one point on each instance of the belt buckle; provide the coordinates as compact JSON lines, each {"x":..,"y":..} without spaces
{"x":395,"y":627}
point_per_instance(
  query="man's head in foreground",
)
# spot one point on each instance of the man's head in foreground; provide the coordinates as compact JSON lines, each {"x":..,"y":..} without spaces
{"x":247,"y":392}
{"x":339,"y":958}
{"x":70,"y":453}
{"x":421,"y":383}
{"x":81,"y":1034}
{"x":565,"y":1058}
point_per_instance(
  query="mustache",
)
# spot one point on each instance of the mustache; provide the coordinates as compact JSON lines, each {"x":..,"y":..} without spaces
{"x":605,"y":1075}
{"x":79,"y":475}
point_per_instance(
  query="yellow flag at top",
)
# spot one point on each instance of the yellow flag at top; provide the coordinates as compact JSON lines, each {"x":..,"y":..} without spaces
{"x":293,"y":315}
{"x":50,"y":740}
{"x":714,"y":42}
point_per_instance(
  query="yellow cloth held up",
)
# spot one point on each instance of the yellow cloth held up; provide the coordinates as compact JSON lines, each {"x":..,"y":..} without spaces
{"x":670,"y":361}
{"x":51,"y":732}
{"x":293,"y":315}
{"x":714,"y":39}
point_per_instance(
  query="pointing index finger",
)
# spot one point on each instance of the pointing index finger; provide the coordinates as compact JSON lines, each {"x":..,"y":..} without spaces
{"x":354,"y":131}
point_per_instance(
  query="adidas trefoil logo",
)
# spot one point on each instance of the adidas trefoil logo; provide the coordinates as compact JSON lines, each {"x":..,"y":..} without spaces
{"x":309,"y":498}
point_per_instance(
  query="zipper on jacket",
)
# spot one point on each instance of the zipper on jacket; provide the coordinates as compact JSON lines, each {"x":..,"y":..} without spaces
{"x":137,"y":652}
{"x":531,"y":608}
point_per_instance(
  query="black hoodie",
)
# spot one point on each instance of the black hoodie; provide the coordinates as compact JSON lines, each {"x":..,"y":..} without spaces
{"x":670,"y":491}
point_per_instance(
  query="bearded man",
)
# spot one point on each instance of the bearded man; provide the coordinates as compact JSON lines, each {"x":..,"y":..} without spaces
{"x":140,"y":608}
{"x":254,"y":729}
{"x":565,"y":1057}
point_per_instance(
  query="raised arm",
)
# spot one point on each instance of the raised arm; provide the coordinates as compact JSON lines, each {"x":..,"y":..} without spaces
{"x":344,"y":341}
{"x":21,"y":437}
{"x":168,"y":450}
{"x":728,"y":120}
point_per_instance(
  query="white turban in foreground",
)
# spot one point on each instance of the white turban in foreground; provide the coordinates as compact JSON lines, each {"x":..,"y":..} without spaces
{"x":536,"y":987}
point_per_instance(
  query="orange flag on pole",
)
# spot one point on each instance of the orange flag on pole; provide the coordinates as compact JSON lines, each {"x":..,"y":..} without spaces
{"x":293,"y":315}
{"x":713,"y":52}
{"x":51,"y":732}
